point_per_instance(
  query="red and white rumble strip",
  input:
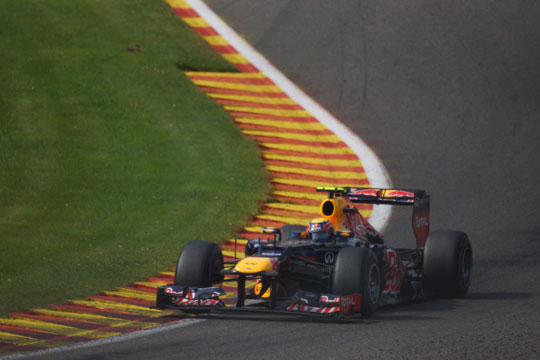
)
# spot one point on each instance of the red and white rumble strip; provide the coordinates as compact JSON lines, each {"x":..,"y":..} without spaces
{"x":303,"y":146}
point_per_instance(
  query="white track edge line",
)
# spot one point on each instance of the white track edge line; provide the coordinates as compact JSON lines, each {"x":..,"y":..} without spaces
{"x":374,"y":168}
{"x":105,"y":341}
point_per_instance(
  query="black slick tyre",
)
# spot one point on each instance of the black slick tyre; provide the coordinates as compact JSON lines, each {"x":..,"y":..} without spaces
{"x":356,"y":271}
{"x":199,"y":265}
{"x":447,"y":265}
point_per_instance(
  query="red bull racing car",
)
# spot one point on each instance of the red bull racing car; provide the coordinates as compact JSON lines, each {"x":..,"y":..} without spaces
{"x":336,"y":266}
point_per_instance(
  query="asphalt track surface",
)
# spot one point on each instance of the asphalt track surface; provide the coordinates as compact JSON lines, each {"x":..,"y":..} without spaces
{"x":447,"y":94}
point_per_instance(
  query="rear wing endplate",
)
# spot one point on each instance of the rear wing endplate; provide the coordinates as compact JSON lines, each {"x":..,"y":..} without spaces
{"x":416,"y":198}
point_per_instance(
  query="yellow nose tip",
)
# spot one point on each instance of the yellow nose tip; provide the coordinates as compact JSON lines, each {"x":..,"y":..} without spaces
{"x":253,"y":265}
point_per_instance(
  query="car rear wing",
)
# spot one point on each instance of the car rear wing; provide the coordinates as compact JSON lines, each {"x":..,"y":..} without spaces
{"x":418,"y":199}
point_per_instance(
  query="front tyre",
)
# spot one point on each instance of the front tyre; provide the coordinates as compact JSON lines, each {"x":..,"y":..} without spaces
{"x":356,"y":271}
{"x":199,"y":265}
{"x":447,"y":266}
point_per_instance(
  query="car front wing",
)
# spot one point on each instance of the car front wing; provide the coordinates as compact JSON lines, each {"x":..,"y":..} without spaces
{"x":205,"y":300}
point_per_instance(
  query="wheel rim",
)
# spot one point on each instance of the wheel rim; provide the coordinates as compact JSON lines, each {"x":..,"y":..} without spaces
{"x":374,"y":285}
{"x":466,"y":265}
{"x":216,"y":265}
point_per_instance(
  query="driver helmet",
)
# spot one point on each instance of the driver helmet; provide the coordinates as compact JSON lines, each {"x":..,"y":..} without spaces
{"x":320,"y":229}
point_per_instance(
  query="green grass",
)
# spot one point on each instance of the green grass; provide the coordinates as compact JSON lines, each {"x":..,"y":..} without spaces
{"x":110,"y":158}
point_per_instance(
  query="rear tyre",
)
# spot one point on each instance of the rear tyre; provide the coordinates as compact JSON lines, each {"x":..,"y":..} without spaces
{"x":199,"y":265}
{"x":447,"y":266}
{"x":356,"y":271}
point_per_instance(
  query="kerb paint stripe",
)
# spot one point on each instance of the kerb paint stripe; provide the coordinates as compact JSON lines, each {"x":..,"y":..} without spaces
{"x":303,"y":146}
{"x":375,"y":171}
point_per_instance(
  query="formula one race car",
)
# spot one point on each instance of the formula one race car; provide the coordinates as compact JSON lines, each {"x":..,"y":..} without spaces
{"x":336,"y":266}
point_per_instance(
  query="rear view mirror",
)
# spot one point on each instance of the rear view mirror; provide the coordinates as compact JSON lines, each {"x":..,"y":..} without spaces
{"x":271,"y":230}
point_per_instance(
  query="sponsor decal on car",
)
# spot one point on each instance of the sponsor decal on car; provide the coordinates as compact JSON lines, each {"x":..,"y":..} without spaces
{"x":329,"y":258}
{"x":350,"y":303}
{"x":395,"y":273}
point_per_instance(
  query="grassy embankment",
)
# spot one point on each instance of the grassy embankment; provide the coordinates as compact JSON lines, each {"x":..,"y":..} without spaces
{"x":110,"y":158}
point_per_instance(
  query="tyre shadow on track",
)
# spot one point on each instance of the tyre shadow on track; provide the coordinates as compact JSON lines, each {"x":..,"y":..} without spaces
{"x":378,"y":317}
{"x":435,"y":305}
{"x":500,"y":295}
{"x":381,"y":315}
{"x":272,"y":318}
